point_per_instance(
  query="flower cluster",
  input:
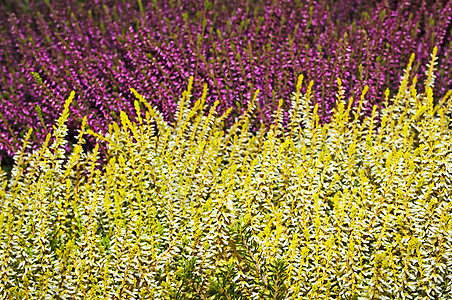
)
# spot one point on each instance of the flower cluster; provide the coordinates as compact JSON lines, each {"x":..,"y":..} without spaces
{"x":350,"y":209}
{"x":102,"y":48}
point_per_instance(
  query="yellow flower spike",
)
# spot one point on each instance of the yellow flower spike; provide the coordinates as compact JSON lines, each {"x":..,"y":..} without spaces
{"x":135,"y":93}
{"x":309,"y":90}
{"x":65,"y":113}
{"x":361,"y":101}
{"x":134,"y":129}
{"x":429,"y":81}
{"x":299,"y":83}
{"x":374,"y":113}
{"x":404,"y":84}
{"x":204,"y":96}
{"x":386,"y":101}
{"x":413,"y":91}
{"x":228,"y":111}
{"x":84,"y":121}
{"x":27,"y":137}
{"x":339,"y":83}
{"x":446,"y":97}
{"x":316,"y":115}
{"x":69,"y":101}
{"x":255,"y":95}
{"x":190,"y":85}
{"x":430,"y":101}
{"x":138,"y":111}
{"x":307,"y":106}
{"x":412,"y":58}
{"x":196,"y":106}
{"x":45,"y":145}
{"x":435,"y":51}
{"x":185,"y":98}
{"x":124,"y":120}
{"x":116,"y":129}
{"x":150,"y":109}
{"x":343,"y":116}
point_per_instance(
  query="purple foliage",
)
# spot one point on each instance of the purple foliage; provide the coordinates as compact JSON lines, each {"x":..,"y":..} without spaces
{"x":102,"y":48}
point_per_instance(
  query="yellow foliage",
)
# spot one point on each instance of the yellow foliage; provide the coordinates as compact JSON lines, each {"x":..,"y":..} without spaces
{"x":353,"y":208}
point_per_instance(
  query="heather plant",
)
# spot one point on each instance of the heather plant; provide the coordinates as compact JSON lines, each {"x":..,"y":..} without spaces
{"x":351,"y":209}
{"x":102,"y":48}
